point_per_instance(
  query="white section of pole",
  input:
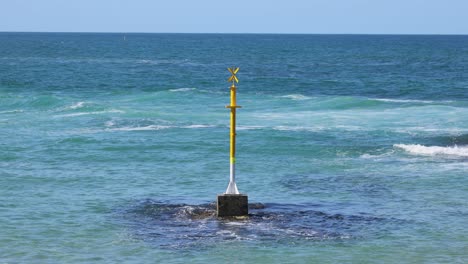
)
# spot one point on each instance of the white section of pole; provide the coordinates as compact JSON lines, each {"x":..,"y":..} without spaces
{"x":232,"y":172}
{"x":232,"y":187}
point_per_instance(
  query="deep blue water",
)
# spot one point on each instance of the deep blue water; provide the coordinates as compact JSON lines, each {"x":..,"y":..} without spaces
{"x":352,"y":148}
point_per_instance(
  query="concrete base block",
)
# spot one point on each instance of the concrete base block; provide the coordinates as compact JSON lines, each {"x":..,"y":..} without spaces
{"x":232,"y":205}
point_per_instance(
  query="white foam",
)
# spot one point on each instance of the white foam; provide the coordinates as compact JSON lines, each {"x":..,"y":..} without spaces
{"x":299,"y":128}
{"x":91,"y":113}
{"x":156,"y":62}
{"x":377,"y":156}
{"x":182,"y":89}
{"x":11,"y":111}
{"x":369,"y":156}
{"x":144,"y":128}
{"x":230,"y":234}
{"x":297,"y":97}
{"x":145,"y":61}
{"x":408,"y":101}
{"x":109,"y":123}
{"x":76,"y":106}
{"x":197,"y":126}
{"x":302,"y":233}
{"x":249,"y":127}
{"x":434,"y":150}
{"x":110,"y":127}
{"x":235,"y":223}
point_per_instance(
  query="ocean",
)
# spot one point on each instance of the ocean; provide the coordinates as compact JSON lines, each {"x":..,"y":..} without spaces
{"x":352,"y":148}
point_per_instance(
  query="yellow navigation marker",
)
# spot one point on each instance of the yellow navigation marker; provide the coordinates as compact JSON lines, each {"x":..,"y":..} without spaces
{"x":232,"y":188}
{"x":232,"y":203}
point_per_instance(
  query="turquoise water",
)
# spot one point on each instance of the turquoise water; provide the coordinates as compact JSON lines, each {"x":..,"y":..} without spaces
{"x":351,"y":148}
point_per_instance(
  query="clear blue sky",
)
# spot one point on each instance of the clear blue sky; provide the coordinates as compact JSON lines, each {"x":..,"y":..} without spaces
{"x":242,"y":16}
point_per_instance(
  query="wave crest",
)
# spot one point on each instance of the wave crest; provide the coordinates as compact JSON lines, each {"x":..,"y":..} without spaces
{"x":434,"y":150}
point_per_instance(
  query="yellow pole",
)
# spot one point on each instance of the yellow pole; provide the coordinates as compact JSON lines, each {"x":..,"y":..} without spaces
{"x":233,"y":125}
{"x":232,"y":187}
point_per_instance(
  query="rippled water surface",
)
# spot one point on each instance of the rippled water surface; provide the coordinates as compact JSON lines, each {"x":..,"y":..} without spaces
{"x":351,"y":148}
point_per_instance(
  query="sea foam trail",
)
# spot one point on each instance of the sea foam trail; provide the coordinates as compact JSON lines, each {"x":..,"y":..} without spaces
{"x":402,"y":101}
{"x":297,"y":97}
{"x":409,"y":101}
{"x":434,"y":150}
{"x":182,"y":89}
{"x":11,"y":111}
{"x":198,"y":126}
{"x":144,"y":128}
{"x":91,"y":113}
{"x":76,"y":106}
{"x":152,"y":127}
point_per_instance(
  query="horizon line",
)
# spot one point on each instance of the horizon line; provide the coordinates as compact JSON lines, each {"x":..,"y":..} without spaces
{"x":240,"y":33}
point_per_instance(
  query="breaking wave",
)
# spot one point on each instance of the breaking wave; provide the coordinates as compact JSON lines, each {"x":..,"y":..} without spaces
{"x":460,"y":151}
